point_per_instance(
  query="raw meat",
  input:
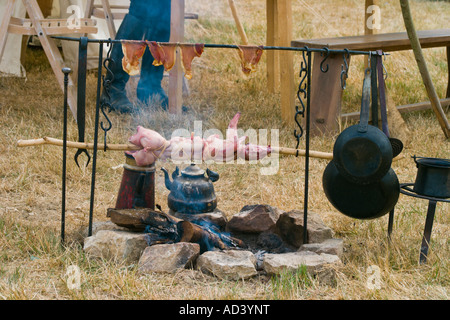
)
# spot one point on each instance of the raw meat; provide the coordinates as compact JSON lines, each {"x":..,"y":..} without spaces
{"x":154,"y":147}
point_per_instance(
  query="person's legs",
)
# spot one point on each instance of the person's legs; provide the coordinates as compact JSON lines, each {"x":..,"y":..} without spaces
{"x":149,"y":88}
{"x":131,"y":28}
{"x":146,"y":20}
{"x":156,"y":14}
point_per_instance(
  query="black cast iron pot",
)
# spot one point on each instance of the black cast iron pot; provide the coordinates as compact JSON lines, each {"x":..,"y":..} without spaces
{"x":359,"y":181}
{"x":363,"y":153}
{"x":433,"y":177}
{"x":361,"y":202}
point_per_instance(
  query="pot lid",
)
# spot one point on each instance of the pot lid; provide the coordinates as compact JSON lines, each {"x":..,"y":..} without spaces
{"x":193,"y":171}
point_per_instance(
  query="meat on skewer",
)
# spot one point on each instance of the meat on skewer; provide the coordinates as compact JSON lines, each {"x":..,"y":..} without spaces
{"x":213,"y":148}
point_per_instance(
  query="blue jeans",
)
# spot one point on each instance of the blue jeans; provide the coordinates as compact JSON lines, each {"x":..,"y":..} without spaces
{"x":146,"y":20}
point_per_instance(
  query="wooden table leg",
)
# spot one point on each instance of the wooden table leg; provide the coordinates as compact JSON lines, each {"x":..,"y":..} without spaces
{"x":326,"y":94}
{"x":448,"y":69}
{"x":176,"y":73}
{"x":284,"y":33}
{"x":273,"y":70}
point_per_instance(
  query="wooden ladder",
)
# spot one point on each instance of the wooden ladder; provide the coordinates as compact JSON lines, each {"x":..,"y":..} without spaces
{"x":44,"y":28}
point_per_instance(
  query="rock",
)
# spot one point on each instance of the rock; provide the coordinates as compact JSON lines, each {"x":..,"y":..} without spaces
{"x":254,"y":219}
{"x":230,"y":264}
{"x":116,"y":245}
{"x":217,"y":218}
{"x":101,"y":225}
{"x":290,"y":226}
{"x":168,"y":258}
{"x":330,"y":246}
{"x":320,"y":266}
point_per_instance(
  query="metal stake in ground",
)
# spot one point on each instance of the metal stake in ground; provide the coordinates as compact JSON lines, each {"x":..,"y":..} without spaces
{"x":94,"y":157}
{"x":66,"y":72}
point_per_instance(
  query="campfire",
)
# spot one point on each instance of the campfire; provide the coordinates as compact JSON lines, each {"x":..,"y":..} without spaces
{"x":259,"y":239}
{"x":195,"y":233}
{"x":161,"y":227}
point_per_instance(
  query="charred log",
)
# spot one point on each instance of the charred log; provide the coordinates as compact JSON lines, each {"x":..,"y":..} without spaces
{"x":165,"y":228}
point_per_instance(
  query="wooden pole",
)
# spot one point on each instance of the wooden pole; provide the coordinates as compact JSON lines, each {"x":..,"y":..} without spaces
{"x":272,"y":56}
{"x":129,"y":147}
{"x":287,"y":90}
{"x":176,"y":73}
{"x":368,"y":30}
{"x":76,"y":145}
{"x":238,"y":22}
{"x":417,"y":49}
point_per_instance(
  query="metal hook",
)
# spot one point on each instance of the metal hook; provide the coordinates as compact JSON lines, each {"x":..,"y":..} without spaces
{"x":297,"y":134}
{"x":81,"y":97}
{"x":77,"y":154}
{"x":344,"y":70}
{"x":105,"y":103}
{"x":326,"y":57}
{"x":106,"y":129}
{"x":386,"y":74}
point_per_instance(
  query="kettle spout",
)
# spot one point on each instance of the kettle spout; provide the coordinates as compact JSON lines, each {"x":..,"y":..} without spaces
{"x":167,"y":179}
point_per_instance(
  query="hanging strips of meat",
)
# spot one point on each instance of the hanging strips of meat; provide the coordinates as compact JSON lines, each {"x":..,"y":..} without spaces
{"x":163,"y":54}
{"x":132,"y":54}
{"x":188,"y":53}
{"x":250,"y":56}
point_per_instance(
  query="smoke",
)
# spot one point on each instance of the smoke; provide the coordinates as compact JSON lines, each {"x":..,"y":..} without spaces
{"x":211,"y":8}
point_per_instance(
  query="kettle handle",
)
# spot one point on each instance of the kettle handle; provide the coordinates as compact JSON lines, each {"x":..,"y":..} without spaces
{"x":365,"y":103}
{"x":213,"y":176}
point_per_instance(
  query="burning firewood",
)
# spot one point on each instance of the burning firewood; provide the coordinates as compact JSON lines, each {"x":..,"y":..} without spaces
{"x":138,"y":219}
{"x":207,"y":236}
{"x":164,"y":228}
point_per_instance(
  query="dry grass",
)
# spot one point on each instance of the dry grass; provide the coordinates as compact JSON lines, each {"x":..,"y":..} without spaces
{"x":33,"y":266}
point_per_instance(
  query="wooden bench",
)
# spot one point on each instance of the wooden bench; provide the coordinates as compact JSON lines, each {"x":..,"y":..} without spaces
{"x":326,"y":91}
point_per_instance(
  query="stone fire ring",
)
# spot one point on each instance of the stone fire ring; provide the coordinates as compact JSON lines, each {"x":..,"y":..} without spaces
{"x":274,"y":240}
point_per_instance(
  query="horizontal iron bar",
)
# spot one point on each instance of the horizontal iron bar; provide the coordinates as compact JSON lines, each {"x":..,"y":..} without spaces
{"x":232,"y":46}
